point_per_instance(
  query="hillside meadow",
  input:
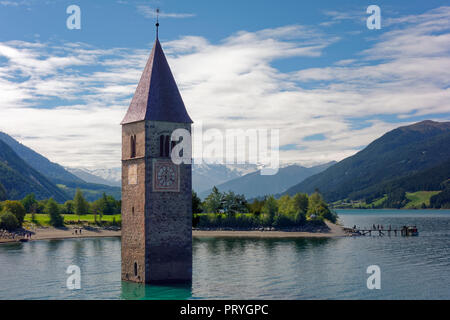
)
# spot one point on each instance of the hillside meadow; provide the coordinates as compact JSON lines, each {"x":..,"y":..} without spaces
{"x":43,"y":219}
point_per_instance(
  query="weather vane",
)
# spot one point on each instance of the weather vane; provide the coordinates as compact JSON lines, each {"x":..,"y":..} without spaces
{"x":157,"y":22}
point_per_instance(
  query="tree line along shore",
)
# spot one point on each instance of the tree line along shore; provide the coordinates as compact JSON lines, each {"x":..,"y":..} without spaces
{"x":227,"y":210}
{"x":219,"y":211}
{"x":47,"y":212}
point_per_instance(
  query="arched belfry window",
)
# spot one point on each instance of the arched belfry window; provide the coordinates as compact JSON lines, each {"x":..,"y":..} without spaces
{"x":165,"y":146}
{"x":133,"y":146}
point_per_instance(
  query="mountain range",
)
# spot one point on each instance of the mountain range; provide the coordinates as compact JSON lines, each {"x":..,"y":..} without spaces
{"x":413,"y":158}
{"x":253,"y":185}
{"x":109,"y":177}
{"x":24,"y":171}
{"x":399,"y":157}
{"x":17,"y":178}
{"x":204,"y":175}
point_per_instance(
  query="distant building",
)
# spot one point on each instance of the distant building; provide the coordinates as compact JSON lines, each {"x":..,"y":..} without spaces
{"x":156,"y":193}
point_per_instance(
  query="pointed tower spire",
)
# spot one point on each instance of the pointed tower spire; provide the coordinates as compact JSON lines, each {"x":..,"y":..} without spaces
{"x":157,"y":22}
{"x":157,"y":97}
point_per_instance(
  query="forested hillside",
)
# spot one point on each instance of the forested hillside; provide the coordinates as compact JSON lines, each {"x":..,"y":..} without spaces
{"x":399,"y":159}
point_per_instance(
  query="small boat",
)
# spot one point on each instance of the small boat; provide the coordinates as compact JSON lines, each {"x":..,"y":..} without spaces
{"x":410,"y":231}
{"x":23,"y":240}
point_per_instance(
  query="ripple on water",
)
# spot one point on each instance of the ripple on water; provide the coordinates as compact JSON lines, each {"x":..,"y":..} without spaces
{"x":412,"y":268}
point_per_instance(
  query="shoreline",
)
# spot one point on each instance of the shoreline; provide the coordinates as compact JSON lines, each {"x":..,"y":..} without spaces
{"x":55,"y":234}
{"x":51,"y":233}
{"x":334,"y":231}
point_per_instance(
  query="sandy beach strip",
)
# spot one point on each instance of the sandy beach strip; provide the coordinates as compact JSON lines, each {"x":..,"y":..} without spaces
{"x":335,"y":231}
{"x":55,"y":233}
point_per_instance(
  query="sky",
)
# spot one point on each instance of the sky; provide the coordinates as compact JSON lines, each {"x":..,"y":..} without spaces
{"x":312,"y":69}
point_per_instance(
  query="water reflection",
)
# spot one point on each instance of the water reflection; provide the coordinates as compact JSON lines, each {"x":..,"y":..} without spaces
{"x":245,"y":268}
{"x":230,"y":245}
{"x":138,"y":291}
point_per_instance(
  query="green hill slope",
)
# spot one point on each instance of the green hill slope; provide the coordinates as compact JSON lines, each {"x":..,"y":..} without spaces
{"x":65,"y":181}
{"x":19,"y":179}
{"x":432,"y":179}
{"x":53,"y":171}
{"x":397,"y":154}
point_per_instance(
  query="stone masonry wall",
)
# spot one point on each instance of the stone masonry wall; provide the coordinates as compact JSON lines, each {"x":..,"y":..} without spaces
{"x":133,"y":204}
{"x":169,"y":216}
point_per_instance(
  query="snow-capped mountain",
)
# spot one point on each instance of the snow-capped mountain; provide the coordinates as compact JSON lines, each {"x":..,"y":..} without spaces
{"x":204,"y":176}
{"x":110,"y":177}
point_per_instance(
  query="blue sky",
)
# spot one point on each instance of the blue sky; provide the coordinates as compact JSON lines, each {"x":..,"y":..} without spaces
{"x":310,"y":68}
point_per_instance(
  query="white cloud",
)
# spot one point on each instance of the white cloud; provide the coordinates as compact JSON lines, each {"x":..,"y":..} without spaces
{"x":150,"y":13}
{"x":229,"y":84}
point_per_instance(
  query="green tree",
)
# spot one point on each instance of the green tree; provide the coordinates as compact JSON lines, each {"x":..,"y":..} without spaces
{"x":96,"y":209}
{"x":107,"y":204}
{"x":196,"y":203}
{"x":318,"y":208}
{"x":441,"y":200}
{"x":300,"y":203}
{"x":52,"y":209}
{"x":8,"y":221}
{"x":233,"y":203}
{"x":285,"y":205}
{"x":213,"y":203}
{"x":270,"y":208}
{"x":396,"y":199}
{"x":81,"y":206}
{"x":255,"y":207}
{"x":29,"y":203}
{"x":16,"y":208}
{"x":41,"y":206}
{"x":68,"y":207}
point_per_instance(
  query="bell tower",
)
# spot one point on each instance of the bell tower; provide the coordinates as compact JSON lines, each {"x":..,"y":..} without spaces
{"x":156,"y":192}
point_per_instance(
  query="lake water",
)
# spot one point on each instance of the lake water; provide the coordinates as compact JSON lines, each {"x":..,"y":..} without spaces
{"x":411,"y":267}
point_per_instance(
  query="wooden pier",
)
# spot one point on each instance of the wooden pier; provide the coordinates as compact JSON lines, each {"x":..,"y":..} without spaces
{"x":382,"y":231}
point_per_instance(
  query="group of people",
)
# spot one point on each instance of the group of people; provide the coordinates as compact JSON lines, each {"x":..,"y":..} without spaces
{"x":76,"y":231}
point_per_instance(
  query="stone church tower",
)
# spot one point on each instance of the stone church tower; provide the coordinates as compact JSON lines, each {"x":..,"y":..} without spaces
{"x":156,"y":193}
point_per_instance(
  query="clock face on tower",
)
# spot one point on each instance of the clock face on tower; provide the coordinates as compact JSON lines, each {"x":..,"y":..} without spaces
{"x":165,"y":176}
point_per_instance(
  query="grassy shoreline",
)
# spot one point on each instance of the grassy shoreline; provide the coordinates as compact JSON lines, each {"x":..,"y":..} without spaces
{"x":51,"y":233}
{"x":42,"y":219}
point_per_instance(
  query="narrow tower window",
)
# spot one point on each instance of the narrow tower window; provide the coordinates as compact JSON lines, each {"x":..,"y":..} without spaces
{"x":166,"y":146}
{"x":135,"y":269}
{"x":133,"y":146}
{"x":161,"y":146}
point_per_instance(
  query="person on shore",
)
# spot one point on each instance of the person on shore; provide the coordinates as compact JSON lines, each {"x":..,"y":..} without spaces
{"x":76,"y":231}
